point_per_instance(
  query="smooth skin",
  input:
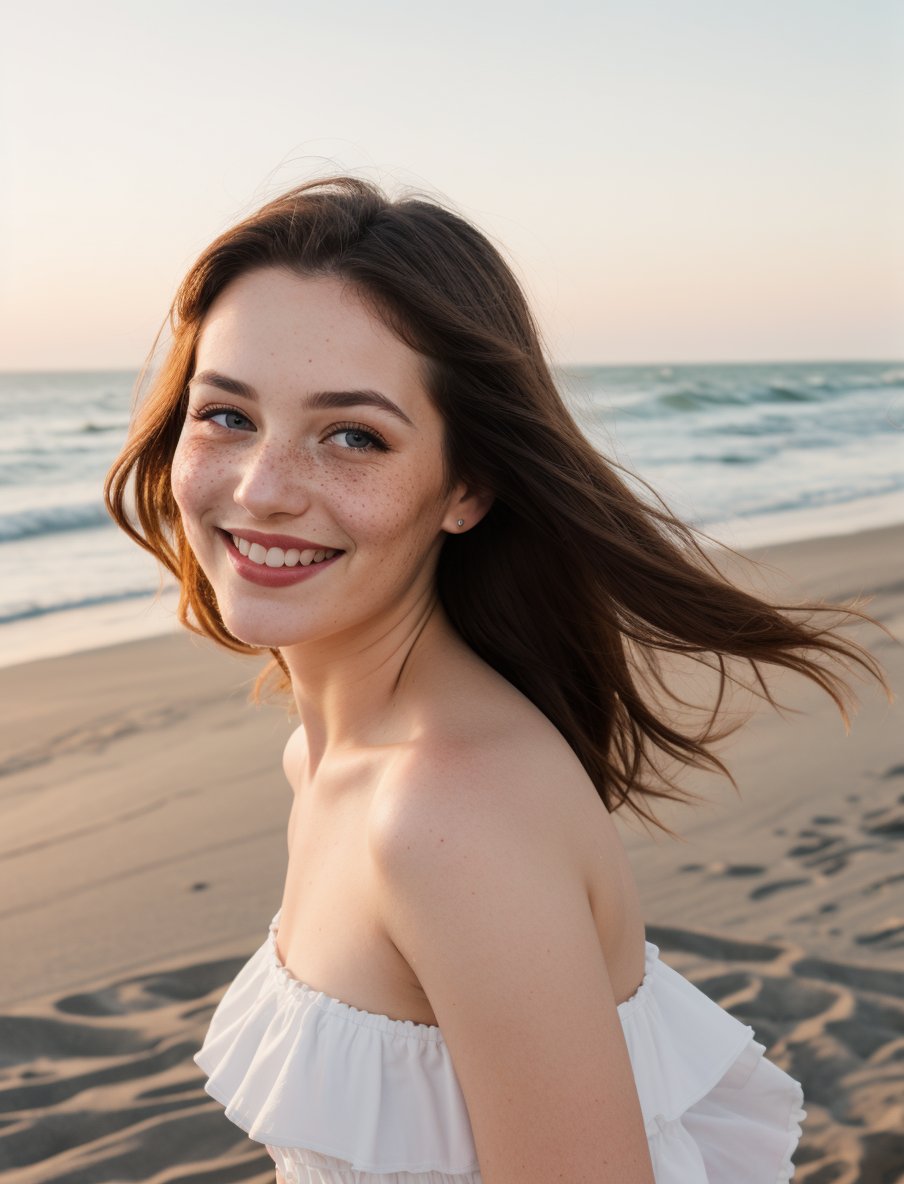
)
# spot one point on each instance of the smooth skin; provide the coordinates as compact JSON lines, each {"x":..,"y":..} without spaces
{"x":450,"y":861}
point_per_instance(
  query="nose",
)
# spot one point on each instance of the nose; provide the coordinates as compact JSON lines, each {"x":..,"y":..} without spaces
{"x":273,"y":481}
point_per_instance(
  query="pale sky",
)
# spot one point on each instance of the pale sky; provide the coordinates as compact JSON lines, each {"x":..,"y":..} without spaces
{"x":675,"y":180}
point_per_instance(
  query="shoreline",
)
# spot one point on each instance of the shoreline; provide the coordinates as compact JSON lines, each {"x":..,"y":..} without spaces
{"x":78,"y":630}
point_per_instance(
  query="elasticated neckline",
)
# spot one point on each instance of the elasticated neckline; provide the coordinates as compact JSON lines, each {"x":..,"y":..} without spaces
{"x":410,"y":1028}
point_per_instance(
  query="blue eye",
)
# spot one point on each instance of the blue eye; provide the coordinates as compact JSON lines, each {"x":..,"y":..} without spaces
{"x":233,"y":420}
{"x":358,"y":439}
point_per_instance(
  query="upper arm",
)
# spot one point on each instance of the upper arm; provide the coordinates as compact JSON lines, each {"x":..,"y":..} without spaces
{"x":495,"y":922}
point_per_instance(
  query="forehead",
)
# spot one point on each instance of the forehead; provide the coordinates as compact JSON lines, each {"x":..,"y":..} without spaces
{"x":270,"y":327}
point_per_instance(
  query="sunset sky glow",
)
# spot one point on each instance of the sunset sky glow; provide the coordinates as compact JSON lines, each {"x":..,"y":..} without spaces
{"x":690,"y":181}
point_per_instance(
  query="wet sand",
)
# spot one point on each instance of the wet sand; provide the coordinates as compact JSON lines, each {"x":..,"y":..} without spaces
{"x":142,"y":831}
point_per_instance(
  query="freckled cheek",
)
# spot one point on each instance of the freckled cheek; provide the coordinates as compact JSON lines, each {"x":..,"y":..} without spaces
{"x":387,"y":516}
{"x":194,"y":478}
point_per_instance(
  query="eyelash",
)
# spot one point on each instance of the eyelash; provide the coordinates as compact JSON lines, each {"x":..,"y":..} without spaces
{"x":377,"y":443}
{"x":209,"y":412}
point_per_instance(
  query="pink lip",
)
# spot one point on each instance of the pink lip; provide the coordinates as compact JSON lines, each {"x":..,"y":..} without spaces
{"x":273,"y":577}
{"x":286,"y":541}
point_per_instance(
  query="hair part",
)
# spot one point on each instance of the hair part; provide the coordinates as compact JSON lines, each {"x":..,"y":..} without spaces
{"x":572,"y":586}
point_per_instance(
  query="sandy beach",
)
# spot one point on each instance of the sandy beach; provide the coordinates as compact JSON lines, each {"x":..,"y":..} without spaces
{"x":143,"y":812}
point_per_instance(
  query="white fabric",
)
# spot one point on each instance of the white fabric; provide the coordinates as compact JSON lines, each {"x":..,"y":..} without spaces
{"x":344,"y":1096}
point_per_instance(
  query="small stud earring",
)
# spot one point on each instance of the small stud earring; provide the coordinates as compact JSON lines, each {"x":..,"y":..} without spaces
{"x":461,"y":522}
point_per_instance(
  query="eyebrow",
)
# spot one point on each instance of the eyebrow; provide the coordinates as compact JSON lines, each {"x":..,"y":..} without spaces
{"x":319,"y":401}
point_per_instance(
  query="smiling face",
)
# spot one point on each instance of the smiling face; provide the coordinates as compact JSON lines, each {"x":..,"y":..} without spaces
{"x":310,"y":431}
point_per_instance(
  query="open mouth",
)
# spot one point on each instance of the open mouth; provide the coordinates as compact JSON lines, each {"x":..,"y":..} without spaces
{"x":279,"y":557}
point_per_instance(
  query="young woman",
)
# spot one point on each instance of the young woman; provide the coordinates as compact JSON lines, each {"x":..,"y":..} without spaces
{"x":355,"y":458}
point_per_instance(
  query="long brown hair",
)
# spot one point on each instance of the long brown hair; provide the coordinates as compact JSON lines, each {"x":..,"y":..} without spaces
{"x":572,"y":586}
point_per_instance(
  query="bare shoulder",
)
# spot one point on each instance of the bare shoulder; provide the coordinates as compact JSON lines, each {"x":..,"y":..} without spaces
{"x":294,"y":755}
{"x":480,"y":879}
{"x":501,"y":773}
{"x":498,"y":794}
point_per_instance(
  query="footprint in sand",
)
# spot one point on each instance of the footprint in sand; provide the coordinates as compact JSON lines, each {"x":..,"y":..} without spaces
{"x":720,"y":868}
{"x":830,"y":906}
{"x":885,"y":823}
{"x":816,"y":844}
{"x":765,"y":890}
{"x":147,"y":992}
{"x":881,"y":885}
{"x":889,"y":935}
{"x":711,"y":945}
{"x":829,"y":854}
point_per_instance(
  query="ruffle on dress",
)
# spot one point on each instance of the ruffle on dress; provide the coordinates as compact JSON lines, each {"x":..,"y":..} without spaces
{"x":716,"y":1111}
{"x":344,"y":1095}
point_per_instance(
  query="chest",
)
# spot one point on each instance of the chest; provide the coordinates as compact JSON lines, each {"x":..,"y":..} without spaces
{"x":330,"y":934}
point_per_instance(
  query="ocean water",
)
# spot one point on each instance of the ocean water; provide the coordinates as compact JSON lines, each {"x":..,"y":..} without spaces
{"x":758,"y":453}
{"x":751,"y":454}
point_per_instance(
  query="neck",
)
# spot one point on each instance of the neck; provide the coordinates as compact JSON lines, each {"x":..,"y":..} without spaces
{"x":351,"y":690}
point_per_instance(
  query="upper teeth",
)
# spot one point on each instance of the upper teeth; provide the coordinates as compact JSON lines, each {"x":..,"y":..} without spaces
{"x":277,"y":557}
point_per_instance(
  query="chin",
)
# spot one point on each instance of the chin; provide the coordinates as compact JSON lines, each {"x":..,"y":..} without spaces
{"x":261,"y":634}
{"x":266,"y":639}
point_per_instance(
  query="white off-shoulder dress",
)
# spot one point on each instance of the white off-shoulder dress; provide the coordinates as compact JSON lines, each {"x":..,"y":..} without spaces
{"x":344,"y":1096}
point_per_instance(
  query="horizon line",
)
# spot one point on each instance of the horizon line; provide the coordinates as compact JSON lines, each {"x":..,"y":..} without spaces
{"x":660,"y":364}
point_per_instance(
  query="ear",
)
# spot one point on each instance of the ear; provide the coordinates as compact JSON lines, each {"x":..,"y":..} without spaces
{"x":467,"y":505}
